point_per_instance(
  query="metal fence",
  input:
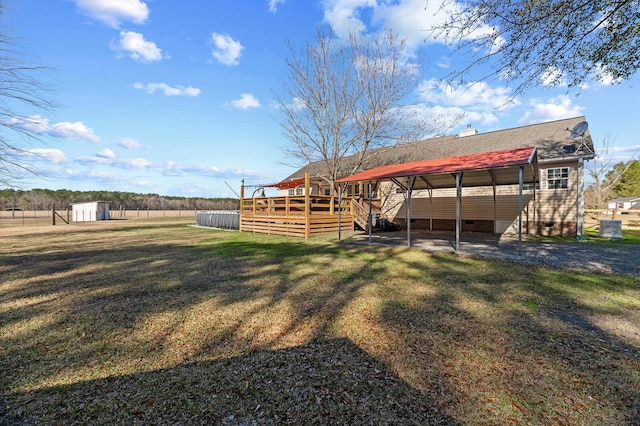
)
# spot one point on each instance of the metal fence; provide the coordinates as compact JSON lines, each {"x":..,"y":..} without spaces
{"x":222,"y":219}
{"x":17,"y":218}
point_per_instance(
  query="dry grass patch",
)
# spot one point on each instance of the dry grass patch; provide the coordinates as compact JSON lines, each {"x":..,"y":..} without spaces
{"x":155,"y":322}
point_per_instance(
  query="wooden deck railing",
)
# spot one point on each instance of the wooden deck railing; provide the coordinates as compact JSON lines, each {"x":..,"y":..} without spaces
{"x":295,"y":215}
{"x":629,"y":218}
{"x":294,"y":205}
{"x":360,"y":214}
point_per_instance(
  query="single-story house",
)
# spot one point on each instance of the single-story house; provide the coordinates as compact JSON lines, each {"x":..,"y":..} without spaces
{"x":624,"y":203}
{"x":90,"y":211}
{"x":471,"y":179}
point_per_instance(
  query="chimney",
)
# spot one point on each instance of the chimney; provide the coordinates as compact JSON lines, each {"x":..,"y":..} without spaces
{"x":469,"y":131}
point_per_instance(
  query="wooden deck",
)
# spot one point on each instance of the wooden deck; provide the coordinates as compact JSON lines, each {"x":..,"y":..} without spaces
{"x":298,"y":216}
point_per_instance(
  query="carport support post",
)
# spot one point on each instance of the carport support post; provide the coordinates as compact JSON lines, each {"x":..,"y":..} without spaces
{"x":520,"y":184}
{"x":495,"y":208}
{"x":535,"y":203}
{"x":340,"y":212}
{"x":409,"y":189}
{"x":370,"y":217}
{"x":430,"y":209}
{"x":458,"y":199}
{"x":370,"y":212}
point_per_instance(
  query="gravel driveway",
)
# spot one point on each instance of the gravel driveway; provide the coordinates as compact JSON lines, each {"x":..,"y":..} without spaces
{"x":623,"y":259}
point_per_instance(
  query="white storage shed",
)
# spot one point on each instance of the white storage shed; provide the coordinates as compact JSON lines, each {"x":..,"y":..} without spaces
{"x":625,"y":203}
{"x":90,"y":212}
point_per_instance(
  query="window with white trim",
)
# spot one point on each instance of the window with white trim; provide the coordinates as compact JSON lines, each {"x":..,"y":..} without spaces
{"x":300,"y":191}
{"x":558,"y":178}
{"x":292,"y":192}
{"x":350,"y":190}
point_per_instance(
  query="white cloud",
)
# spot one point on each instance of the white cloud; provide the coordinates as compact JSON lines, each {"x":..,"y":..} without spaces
{"x":34,"y":123}
{"x":151,"y":88}
{"x":106,"y":153}
{"x":75,"y":130}
{"x":554,"y":109}
{"x":478,"y":95}
{"x":475,"y":101}
{"x":64,"y":129}
{"x":344,"y":15}
{"x":55,"y":156}
{"x":632,"y":148}
{"x":137,"y":47}
{"x":445,"y":118}
{"x":93,"y":160}
{"x":273,"y":5}
{"x":138,"y":163}
{"x":123,"y":163}
{"x":297,"y":104}
{"x":113,"y":12}
{"x":604,"y":77}
{"x":246,"y":101}
{"x":226,"y":50}
{"x":444,"y":62}
{"x":245,"y":173}
{"x":171,"y":168}
{"x":411,"y":18}
{"x":130,"y":143}
{"x":144,"y":183}
{"x":553,"y":77}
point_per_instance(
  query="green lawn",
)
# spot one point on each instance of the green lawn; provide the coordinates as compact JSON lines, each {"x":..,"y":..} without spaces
{"x":591,"y":235}
{"x":136,"y":322}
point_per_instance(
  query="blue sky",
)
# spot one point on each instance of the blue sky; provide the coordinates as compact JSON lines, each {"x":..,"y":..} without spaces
{"x":176,"y":97}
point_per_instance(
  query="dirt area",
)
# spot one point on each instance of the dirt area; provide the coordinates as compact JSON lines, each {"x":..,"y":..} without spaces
{"x":622,"y":259}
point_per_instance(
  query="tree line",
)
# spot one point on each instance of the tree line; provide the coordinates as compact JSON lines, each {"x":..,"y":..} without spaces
{"x":45,"y":199}
{"x":620,"y":180}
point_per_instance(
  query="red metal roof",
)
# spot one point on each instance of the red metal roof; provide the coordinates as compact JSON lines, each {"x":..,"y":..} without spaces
{"x":482,"y":161}
{"x":287,"y":184}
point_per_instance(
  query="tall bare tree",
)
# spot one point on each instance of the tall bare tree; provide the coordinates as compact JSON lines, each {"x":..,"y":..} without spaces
{"x":544,"y":41}
{"x":606,"y":176}
{"x":21,"y":94}
{"x":345,"y":98}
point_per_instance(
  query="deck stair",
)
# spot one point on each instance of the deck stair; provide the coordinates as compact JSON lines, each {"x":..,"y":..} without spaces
{"x":360,"y":210}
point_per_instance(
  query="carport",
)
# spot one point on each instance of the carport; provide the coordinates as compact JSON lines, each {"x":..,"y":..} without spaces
{"x":487,"y":169}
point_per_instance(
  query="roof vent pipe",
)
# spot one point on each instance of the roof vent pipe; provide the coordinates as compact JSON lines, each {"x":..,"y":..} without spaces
{"x":469,"y":131}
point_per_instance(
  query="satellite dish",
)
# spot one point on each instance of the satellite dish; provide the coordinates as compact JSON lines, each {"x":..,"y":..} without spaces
{"x":579,"y":129}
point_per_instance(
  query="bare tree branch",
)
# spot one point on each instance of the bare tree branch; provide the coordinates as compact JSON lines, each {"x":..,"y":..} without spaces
{"x":347,"y":98}
{"x":561,"y":41}
{"x":605,"y":175}
{"x":20,"y":90}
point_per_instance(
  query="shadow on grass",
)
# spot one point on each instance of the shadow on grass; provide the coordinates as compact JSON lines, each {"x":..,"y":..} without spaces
{"x":173,"y":323}
{"x":323,"y":382}
{"x":76,"y":310}
{"x":512,"y":343}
